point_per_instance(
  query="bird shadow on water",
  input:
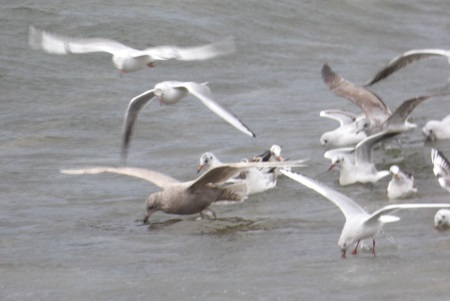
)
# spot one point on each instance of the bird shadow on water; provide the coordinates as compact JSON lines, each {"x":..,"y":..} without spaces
{"x":223,"y":226}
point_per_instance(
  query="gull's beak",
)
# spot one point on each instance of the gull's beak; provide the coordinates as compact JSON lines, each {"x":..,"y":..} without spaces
{"x":151,"y":65}
{"x":200,"y":168}
{"x":343,"y":253}
{"x":278,"y":158}
{"x":331,"y":167}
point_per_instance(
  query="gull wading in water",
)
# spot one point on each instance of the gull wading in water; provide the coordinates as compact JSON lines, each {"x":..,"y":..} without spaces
{"x":441,"y":168}
{"x":187,"y":197}
{"x":358,"y":168}
{"x":437,"y":130}
{"x":405,"y":59}
{"x":125,"y":58}
{"x":401,"y":185}
{"x":349,"y":131}
{"x":171,"y":92}
{"x":359,"y":224}
{"x":377,"y":113}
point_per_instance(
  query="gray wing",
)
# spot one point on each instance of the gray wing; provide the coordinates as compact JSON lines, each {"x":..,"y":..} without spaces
{"x":369,"y":102}
{"x":404,"y":110}
{"x":202,"y":92}
{"x":51,"y":43}
{"x":363,"y":150}
{"x":203,"y":52}
{"x":151,"y":176}
{"x":222,"y":172}
{"x":403,"y":60}
{"x":344,"y":203}
{"x":134,"y":107}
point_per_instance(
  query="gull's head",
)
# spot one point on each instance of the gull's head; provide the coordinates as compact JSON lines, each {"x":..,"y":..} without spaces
{"x":205,"y":161}
{"x":395,"y":171}
{"x":275,"y":150}
{"x":337,"y":160}
{"x":429,"y":130}
{"x":325,"y":139}
{"x":362,"y":124}
{"x":119,"y":62}
{"x":152,"y":205}
{"x":441,"y":219}
{"x":159,"y":90}
{"x":343,"y":244}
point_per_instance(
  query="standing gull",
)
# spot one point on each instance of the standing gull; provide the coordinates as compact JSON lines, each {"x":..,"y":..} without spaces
{"x":401,"y":185}
{"x":437,"y":130}
{"x":358,"y":168}
{"x":405,"y":59}
{"x":347,"y":133}
{"x":372,"y":105}
{"x":125,"y":58}
{"x":359,"y":224}
{"x":171,"y":92}
{"x":187,"y":197}
{"x":441,"y":168}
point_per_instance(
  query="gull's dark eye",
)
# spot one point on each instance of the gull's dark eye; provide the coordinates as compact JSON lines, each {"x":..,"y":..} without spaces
{"x":325,"y":141}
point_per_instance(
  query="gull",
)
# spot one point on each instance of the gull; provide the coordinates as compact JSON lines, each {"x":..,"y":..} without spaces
{"x":259,"y":180}
{"x":347,"y":133}
{"x":358,"y":168}
{"x":271,"y":155}
{"x":442,"y":219}
{"x":405,"y":59}
{"x":441,"y":168}
{"x":359,"y":224}
{"x":189,"y":197}
{"x":125,"y":58}
{"x":255,"y":180}
{"x":378,"y":114}
{"x":401,"y":185}
{"x":207,"y":161}
{"x":437,"y":130}
{"x":171,"y":92}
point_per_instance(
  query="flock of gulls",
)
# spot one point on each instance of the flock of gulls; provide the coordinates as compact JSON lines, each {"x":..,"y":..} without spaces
{"x":354,"y":140}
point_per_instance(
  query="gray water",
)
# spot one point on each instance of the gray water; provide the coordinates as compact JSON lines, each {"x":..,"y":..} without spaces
{"x":75,"y":237}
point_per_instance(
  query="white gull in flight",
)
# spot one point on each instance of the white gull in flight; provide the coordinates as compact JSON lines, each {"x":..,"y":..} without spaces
{"x":171,"y":92}
{"x":125,"y":58}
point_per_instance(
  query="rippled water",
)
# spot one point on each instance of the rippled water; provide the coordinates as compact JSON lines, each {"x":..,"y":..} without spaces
{"x":75,"y":237}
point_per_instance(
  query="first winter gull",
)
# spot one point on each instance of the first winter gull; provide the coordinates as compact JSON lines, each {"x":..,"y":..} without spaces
{"x":187,"y":197}
{"x":372,"y":105}
{"x":359,"y":224}
{"x":405,"y":59}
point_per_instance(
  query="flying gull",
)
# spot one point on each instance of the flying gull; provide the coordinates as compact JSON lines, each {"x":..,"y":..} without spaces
{"x":171,"y":92}
{"x":125,"y":58}
{"x":359,"y":224}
